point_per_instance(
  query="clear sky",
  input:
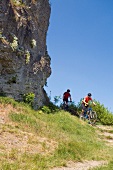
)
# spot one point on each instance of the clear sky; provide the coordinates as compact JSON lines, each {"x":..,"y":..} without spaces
{"x":80,"y":44}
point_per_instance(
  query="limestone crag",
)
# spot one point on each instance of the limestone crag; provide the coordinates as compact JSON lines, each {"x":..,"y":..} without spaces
{"x":24,"y":60}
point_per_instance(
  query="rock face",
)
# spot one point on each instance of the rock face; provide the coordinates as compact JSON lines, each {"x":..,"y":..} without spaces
{"x":24,"y":60}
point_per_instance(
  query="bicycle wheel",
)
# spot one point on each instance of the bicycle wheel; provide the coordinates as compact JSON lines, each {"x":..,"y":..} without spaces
{"x":92,"y":117}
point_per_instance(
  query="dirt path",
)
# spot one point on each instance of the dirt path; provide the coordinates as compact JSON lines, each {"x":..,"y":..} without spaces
{"x":107,"y":134}
{"x":82,"y":165}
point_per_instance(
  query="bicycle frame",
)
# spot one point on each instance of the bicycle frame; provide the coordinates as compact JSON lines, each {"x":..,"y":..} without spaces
{"x":90,"y":115}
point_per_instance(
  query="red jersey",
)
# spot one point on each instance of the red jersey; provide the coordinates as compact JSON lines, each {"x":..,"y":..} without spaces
{"x":66,"y":95}
{"x":87,"y":99}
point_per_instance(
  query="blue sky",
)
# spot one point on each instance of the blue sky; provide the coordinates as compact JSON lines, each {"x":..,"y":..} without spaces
{"x":80,"y":44}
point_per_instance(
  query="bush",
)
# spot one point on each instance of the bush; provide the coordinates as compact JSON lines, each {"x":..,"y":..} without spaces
{"x":73,"y":106}
{"x":46,"y":109}
{"x":50,"y":108}
{"x":53,"y":107}
{"x":103,"y":114}
{"x":29,"y":98}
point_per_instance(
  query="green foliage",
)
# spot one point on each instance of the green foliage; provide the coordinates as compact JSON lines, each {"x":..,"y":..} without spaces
{"x":46,"y":109}
{"x":29,"y":98}
{"x":53,"y":107}
{"x":79,"y":104}
{"x":7,"y":100}
{"x":103,"y":114}
{"x":50,"y":108}
{"x":33,"y":43}
{"x":17,"y":2}
{"x":27,"y":56}
{"x":14,"y":44}
{"x":73,"y":106}
{"x":57,"y":99}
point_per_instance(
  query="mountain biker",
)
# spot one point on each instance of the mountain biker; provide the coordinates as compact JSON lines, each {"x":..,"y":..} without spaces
{"x":66,"y":96}
{"x":85,"y":103}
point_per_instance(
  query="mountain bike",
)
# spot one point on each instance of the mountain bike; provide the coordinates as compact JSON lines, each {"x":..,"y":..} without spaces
{"x":89,"y":115}
{"x":65,"y":106}
{"x":92,"y":116}
{"x":84,"y":116}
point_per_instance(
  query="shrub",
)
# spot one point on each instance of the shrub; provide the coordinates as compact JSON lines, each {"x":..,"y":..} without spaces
{"x":46,"y":109}
{"x":17,"y":2}
{"x":27,"y":57}
{"x":53,"y":107}
{"x":57,"y":99}
{"x":50,"y":108}
{"x":14,"y":44}
{"x":73,"y":106}
{"x":33,"y":43}
{"x":29,"y":98}
{"x":103,"y":114}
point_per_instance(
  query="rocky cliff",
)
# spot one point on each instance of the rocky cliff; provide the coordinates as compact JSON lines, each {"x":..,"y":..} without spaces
{"x":24,"y":60}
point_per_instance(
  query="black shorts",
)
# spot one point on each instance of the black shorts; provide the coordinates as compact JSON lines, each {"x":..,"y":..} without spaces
{"x":85,"y":108}
{"x":65,"y":100}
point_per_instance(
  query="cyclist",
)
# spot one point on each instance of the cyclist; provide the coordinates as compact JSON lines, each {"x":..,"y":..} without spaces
{"x":66,"y":96}
{"x":85,"y":103}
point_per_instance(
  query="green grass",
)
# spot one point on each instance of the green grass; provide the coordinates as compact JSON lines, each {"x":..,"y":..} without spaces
{"x":74,"y":139}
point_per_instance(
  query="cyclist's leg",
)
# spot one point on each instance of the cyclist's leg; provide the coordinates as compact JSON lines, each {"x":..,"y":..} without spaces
{"x":87,"y":113}
{"x":66,"y":100}
{"x":83,"y":111}
{"x":65,"y":104}
{"x":81,"y":114}
{"x":89,"y":116}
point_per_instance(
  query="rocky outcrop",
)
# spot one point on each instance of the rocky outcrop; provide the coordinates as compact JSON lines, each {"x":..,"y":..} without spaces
{"x":24,"y":60}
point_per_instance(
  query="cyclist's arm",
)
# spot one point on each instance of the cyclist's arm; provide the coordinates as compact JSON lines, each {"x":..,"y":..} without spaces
{"x":85,"y":102}
{"x":70,"y":98}
{"x":94,"y":103}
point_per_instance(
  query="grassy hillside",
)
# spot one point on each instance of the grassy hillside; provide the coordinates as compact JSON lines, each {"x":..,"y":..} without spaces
{"x":34,"y":140}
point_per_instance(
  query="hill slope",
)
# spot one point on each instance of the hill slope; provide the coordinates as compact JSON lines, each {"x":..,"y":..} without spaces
{"x":35,"y":140}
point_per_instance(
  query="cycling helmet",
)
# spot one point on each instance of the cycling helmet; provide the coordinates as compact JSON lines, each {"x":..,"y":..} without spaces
{"x":68,"y":90}
{"x":89,"y":94}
